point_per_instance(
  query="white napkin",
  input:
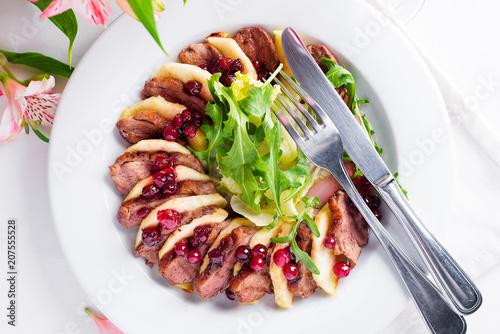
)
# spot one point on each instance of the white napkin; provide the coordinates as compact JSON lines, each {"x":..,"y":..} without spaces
{"x":473,"y":237}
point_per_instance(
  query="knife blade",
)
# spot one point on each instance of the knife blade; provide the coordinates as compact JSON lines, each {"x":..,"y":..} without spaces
{"x":461,"y":293}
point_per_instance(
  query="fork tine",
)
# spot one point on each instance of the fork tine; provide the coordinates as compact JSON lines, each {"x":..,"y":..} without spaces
{"x":296,"y":118}
{"x":291,"y":130}
{"x":300,"y":107}
{"x":306,"y":97}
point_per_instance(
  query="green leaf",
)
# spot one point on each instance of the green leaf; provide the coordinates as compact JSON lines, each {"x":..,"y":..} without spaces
{"x":66,"y":22}
{"x":38,"y":61}
{"x":400,"y":187}
{"x":144,"y":11}
{"x":312,"y":225}
{"x":339,"y":76}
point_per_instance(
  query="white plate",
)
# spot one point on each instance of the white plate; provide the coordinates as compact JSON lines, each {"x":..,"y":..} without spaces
{"x":405,"y":108}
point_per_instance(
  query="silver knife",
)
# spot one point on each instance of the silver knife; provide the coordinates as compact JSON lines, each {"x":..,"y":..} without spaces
{"x":461,"y":293}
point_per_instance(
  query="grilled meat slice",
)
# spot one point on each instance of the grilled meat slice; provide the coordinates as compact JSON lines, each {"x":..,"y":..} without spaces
{"x":304,"y":285}
{"x":200,"y":54}
{"x":151,"y":253}
{"x":258,"y":45}
{"x":145,"y":124}
{"x":349,"y":227}
{"x":249,"y":285}
{"x":177,"y":269}
{"x":320,"y":51}
{"x":127,"y":215}
{"x":215,"y":278}
{"x":130,"y":168}
{"x":173,"y":90}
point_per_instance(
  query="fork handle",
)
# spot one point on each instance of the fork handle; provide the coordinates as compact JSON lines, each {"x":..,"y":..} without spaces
{"x":437,"y":314}
{"x":450,"y":278}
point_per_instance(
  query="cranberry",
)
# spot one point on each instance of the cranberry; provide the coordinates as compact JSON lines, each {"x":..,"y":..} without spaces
{"x":203,"y":67}
{"x":190,"y":131}
{"x":170,"y":133}
{"x":197,"y":119}
{"x":186,"y":116}
{"x":216,"y":256}
{"x":182,"y":128}
{"x":181,"y":248}
{"x":177,"y":122}
{"x":259,"y":250}
{"x":170,"y":189}
{"x":143,"y":212}
{"x":169,"y":219}
{"x":361,"y":182}
{"x":170,"y":175}
{"x":151,"y":236}
{"x":281,"y":257}
{"x":256,"y":64}
{"x":159,"y":179}
{"x":243,"y":254}
{"x":193,"y":87}
{"x":291,"y":271}
{"x":225,"y":64}
{"x":236,"y":65}
{"x":200,"y":234}
{"x":257,"y":263}
{"x":377,"y":214}
{"x":214,"y":68}
{"x":373,"y":202}
{"x":229,"y":294}
{"x":341,"y":269}
{"x":194,"y":256}
{"x":150,"y":191}
{"x":329,"y":242}
{"x":166,"y":162}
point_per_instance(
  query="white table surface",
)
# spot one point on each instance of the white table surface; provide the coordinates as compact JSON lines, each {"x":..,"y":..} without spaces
{"x":460,"y":36}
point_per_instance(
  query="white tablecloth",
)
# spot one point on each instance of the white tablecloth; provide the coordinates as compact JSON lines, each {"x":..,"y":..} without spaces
{"x":460,"y":36}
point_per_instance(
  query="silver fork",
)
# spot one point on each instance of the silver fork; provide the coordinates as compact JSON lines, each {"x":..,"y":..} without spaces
{"x":322,"y":145}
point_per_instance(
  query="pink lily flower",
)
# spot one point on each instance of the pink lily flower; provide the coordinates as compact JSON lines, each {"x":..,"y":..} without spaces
{"x":105,"y":326}
{"x":93,"y":11}
{"x":158,"y":7}
{"x":34,"y":103}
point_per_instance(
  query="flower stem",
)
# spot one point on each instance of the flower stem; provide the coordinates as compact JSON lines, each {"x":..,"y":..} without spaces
{"x":8,"y":71}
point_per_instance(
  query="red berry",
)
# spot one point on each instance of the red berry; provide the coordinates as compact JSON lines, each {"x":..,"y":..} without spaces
{"x":150,"y":236}
{"x":361,"y":182}
{"x":200,"y":234}
{"x":329,"y":242}
{"x":194,"y":256}
{"x":166,"y":162}
{"x":197,"y":119}
{"x":229,"y":294}
{"x":373,"y":202}
{"x":257,"y":263}
{"x":256,"y":64}
{"x":377,"y":214}
{"x":281,"y":257}
{"x":225,"y":64}
{"x":203,"y":67}
{"x":259,"y":250}
{"x":236,"y":65}
{"x":169,"y":218}
{"x":170,"y":133}
{"x":170,"y":175}
{"x":170,"y":189}
{"x":186,"y":115}
{"x":177,"y":122}
{"x":243,"y":254}
{"x":292,"y":255}
{"x":181,"y":248}
{"x":143,"y":212}
{"x":159,"y":179}
{"x":193,"y":87}
{"x":216,"y":256}
{"x":190,"y":131}
{"x":341,"y":269}
{"x":291,"y":271}
{"x":151,"y":191}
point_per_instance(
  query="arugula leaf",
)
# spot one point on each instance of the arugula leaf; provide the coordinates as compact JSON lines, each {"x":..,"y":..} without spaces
{"x":66,"y":22}
{"x":38,"y":61}
{"x":144,"y":11}
{"x":400,"y":187}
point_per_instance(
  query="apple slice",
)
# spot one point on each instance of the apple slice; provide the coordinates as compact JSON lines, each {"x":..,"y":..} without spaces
{"x":157,"y":145}
{"x":282,"y":295}
{"x":230,"y":49}
{"x":155,"y":103}
{"x":185,"y":73}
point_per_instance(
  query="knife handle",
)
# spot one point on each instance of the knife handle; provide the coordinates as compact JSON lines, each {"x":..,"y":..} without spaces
{"x":439,"y":317}
{"x":461,"y":293}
